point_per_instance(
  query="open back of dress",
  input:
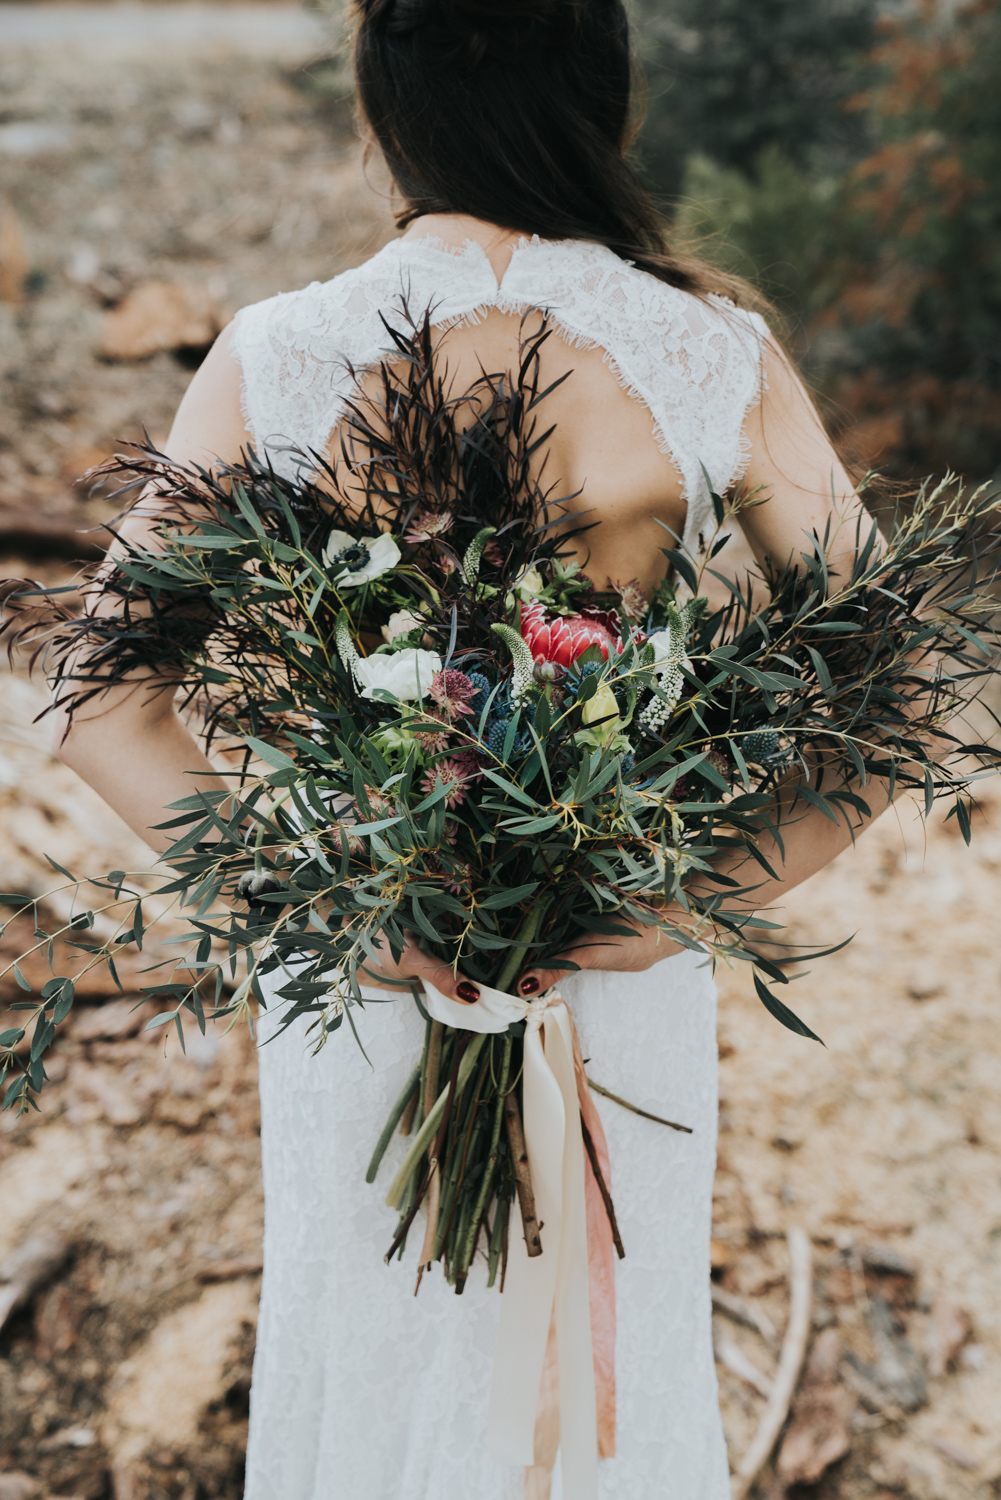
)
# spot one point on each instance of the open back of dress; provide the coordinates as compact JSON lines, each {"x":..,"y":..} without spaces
{"x":361,"y":1391}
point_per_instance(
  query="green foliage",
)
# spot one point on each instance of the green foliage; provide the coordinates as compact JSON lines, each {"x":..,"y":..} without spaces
{"x":777,"y":229}
{"x":882,"y":246}
{"x":729,"y":80}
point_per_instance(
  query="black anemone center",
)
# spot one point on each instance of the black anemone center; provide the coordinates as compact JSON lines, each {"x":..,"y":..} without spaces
{"x":354,"y":557}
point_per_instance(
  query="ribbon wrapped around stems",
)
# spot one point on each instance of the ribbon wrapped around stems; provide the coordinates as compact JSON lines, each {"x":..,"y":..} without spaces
{"x":554,"y":1371}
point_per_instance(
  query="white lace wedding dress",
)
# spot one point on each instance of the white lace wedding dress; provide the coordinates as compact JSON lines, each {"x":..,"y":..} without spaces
{"x":360,"y":1391}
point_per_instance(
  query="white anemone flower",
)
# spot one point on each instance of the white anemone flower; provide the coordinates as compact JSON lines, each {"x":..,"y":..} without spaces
{"x":406,"y":674}
{"x":354,"y":560}
{"x":401,"y":623}
{"x":529,"y":581}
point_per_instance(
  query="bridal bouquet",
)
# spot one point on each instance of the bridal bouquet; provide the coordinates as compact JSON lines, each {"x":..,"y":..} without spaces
{"x":446,"y":729}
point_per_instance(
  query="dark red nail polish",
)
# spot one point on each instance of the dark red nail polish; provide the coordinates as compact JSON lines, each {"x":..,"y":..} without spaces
{"x":467,"y":991}
{"x":529,"y":985}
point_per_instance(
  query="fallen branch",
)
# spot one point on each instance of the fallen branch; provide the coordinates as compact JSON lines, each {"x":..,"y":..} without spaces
{"x":29,"y":533}
{"x":736,"y":1361}
{"x":790,"y":1363}
{"x":745,"y":1313}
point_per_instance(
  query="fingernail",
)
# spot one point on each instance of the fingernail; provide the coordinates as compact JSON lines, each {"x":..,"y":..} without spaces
{"x":467,"y":991}
{"x":529,"y":985}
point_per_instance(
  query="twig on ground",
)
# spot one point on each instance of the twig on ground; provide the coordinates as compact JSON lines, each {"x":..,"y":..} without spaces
{"x":740,"y":1311}
{"x":790,"y":1363}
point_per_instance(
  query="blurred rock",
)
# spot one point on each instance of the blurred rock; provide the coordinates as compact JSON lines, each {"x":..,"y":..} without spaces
{"x":112,"y":1020}
{"x":16,"y":1485}
{"x":820,"y":1432}
{"x":118,"y":1104}
{"x":720,"y":1255}
{"x":899,"y":1370}
{"x":13,"y":257}
{"x":954,"y":1452}
{"x":230,"y":1270}
{"x":160,"y":1394}
{"x":160,"y":315}
{"x":28,"y":1267}
{"x":948,"y":1329}
{"x":886,"y":1258}
{"x":57,"y":1323}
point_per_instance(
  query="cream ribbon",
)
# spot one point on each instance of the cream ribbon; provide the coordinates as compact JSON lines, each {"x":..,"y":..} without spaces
{"x":553,"y":1286}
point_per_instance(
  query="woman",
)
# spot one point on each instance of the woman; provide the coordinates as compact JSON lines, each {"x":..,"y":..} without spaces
{"x":504,"y":125}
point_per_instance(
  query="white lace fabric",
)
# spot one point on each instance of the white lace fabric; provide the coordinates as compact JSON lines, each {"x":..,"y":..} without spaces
{"x":361,"y":1391}
{"x":695,"y":364}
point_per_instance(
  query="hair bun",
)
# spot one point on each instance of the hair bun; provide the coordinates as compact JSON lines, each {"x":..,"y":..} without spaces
{"x":506,"y":10}
{"x":469,"y":28}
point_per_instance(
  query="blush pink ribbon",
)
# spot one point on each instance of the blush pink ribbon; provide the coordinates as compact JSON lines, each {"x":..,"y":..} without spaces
{"x":554,"y":1368}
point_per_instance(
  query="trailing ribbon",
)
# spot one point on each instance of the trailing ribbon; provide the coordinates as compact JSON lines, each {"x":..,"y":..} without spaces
{"x":554,"y":1377}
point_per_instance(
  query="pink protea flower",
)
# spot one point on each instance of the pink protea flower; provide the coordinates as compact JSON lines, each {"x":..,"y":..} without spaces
{"x":562,"y":638}
{"x":453,"y":777}
{"x":452,"y":691}
{"x":428,"y":524}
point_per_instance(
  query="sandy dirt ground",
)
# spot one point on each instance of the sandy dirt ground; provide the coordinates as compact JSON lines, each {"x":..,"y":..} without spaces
{"x":125,"y":1371}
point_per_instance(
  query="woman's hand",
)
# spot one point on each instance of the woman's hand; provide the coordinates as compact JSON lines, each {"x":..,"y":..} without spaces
{"x":415,"y":964}
{"x":597,"y":950}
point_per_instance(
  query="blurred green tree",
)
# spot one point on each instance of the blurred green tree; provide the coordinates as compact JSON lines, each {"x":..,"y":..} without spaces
{"x":729,"y":78}
{"x":888,"y":269}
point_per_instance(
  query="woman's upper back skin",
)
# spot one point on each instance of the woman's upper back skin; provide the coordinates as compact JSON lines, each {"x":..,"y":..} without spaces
{"x":701,"y":379}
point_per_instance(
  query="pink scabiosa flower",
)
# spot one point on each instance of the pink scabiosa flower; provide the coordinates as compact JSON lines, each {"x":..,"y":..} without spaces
{"x":452,"y":691}
{"x":380,"y":804}
{"x":453,"y":777}
{"x":426,"y":525}
{"x":632,"y":598}
{"x":433,"y":741}
{"x":337,"y":835}
{"x":462,"y":875}
{"x":562,"y":638}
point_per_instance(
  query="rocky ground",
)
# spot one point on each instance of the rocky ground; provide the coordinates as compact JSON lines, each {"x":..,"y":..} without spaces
{"x":131,"y":1222}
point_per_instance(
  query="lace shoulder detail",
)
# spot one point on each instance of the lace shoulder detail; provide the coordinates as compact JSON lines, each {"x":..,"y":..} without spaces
{"x":696,"y":365}
{"x":301,"y":351}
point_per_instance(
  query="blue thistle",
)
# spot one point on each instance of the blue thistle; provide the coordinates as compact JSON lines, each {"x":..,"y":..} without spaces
{"x":761,"y":746}
{"x":483,"y":687}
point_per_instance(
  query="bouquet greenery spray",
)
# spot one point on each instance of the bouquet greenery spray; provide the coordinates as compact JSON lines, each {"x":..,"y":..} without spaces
{"x":447,"y":731}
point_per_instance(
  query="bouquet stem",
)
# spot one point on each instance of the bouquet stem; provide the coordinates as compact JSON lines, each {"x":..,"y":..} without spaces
{"x":606,"y":1196}
{"x":409,"y":1092}
{"x":424,"y":1136}
{"x":498,"y":1238}
{"x":516,"y":956}
{"x":468,"y":1247}
{"x":522,"y":1176}
{"x":433,"y":1066}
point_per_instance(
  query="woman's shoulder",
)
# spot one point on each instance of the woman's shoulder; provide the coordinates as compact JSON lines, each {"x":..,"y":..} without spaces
{"x":306,"y":307}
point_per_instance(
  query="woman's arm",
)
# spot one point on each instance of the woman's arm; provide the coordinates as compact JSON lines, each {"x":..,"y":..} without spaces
{"x":804,"y":487}
{"x":129,"y":743}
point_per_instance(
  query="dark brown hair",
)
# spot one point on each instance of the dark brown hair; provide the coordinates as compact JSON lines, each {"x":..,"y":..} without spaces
{"x":519,"y":113}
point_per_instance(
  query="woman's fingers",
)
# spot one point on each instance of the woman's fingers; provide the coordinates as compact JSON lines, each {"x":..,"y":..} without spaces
{"x":597,"y":951}
{"x":535,"y":981}
{"x":420,"y":965}
{"x":414,"y":963}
